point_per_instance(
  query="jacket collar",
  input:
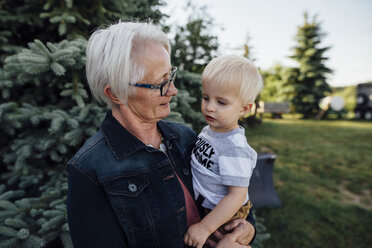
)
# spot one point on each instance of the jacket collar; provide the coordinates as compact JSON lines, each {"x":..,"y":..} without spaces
{"x":122,"y":143}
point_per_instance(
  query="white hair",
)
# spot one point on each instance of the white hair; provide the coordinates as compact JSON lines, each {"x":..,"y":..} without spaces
{"x":113,"y":57}
{"x":235,"y":70}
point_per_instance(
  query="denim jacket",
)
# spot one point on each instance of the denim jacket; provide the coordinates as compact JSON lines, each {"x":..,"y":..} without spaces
{"x":137,"y":183}
{"x":123,"y":193}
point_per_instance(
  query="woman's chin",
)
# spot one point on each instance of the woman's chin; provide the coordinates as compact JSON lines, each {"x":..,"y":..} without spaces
{"x":164,"y":112}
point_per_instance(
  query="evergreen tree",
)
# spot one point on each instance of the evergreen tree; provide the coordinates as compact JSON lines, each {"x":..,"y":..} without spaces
{"x":309,"y":78}
{"x":46,"y":112}
{"x":193,"y":46}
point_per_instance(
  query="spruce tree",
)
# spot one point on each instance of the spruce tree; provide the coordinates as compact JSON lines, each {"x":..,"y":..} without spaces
{"x":309,"y":77}
{"x":193,"y":46}
{"x":46,"y":110}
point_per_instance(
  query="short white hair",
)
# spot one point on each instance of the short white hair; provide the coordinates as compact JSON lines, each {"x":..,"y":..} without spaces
{"x":235,"y":70}
{"x":113,"y":57}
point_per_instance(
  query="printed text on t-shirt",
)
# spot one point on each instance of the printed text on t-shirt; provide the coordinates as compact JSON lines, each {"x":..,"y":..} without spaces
{"x":203,"y":153}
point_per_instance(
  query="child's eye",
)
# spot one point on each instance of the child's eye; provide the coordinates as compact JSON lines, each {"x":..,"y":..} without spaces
{"x":205,"y":98}
{"x":222,"y":103}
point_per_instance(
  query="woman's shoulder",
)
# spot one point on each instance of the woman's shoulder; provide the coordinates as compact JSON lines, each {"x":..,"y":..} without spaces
{"x":90,"y":144}
{"x":92,"y":150}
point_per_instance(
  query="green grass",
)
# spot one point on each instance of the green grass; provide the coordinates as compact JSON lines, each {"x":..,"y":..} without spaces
{"x":323,"y":175}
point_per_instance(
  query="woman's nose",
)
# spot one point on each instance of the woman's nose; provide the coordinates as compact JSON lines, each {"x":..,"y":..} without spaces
{"x":172,"y":91}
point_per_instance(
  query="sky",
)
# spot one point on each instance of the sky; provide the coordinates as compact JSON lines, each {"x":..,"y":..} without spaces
{"x":272,"y":25}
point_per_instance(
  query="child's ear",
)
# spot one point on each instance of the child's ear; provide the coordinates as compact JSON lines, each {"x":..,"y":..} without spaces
{"x":111,"y":95}
{"x":246,"y":108}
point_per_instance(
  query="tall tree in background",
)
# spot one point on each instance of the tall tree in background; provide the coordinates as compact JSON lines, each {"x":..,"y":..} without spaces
{"x":309,"y":78}
{"x":193,"y":46}
{"x":46,"y":112}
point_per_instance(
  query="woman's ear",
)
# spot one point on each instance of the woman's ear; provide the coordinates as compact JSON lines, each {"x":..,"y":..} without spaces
{"x":111,"y":95}
{"x":246,"y":108}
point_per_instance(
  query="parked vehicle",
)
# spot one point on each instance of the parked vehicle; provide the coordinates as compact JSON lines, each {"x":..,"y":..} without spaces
{"x":363,"y":109}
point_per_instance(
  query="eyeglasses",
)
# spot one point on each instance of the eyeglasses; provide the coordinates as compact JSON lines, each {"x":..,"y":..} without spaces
{"x":164,"y":86}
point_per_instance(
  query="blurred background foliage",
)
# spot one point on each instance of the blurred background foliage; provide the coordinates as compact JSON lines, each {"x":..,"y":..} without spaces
{"x":47,"y":111}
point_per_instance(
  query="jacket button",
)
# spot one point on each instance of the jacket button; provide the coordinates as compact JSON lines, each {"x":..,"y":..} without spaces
{"x":186,"y":172}
{"x":132,"y":187}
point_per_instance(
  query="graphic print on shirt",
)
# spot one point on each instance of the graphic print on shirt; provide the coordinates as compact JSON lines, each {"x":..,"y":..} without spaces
{"x":204,"y":152}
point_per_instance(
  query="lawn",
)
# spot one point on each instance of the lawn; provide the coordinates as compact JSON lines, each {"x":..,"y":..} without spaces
{"x":323,"y":175}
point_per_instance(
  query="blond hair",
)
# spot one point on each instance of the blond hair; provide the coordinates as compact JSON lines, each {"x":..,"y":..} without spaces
{"x":235,"y":70}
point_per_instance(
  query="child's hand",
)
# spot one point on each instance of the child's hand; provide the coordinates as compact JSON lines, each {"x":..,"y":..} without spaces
{"x":196,"y":235}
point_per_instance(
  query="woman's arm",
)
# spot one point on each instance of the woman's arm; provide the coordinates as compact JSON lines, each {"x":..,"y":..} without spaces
{"x":91,"y":219}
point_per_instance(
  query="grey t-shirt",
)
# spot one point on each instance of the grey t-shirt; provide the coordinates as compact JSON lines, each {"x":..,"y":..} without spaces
{"x":219,"y":160}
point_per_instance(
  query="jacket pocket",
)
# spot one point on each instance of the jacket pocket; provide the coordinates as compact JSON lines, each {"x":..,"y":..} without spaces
{"x":133,"y":202}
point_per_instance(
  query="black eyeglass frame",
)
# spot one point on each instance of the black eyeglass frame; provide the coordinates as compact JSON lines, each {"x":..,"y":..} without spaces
{"x":159,"y":86}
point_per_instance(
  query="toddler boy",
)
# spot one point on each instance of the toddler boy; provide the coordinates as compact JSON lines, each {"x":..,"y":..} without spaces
{"x":222,"y":161}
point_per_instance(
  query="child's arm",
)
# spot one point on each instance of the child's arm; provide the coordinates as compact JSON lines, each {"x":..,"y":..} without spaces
{"x":198,"y":233}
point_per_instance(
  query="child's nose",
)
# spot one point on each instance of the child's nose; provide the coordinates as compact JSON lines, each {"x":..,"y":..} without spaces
{"x":210,"y":106}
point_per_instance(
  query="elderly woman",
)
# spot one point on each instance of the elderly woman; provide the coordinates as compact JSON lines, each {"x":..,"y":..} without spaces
{"x":130,"y":183}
